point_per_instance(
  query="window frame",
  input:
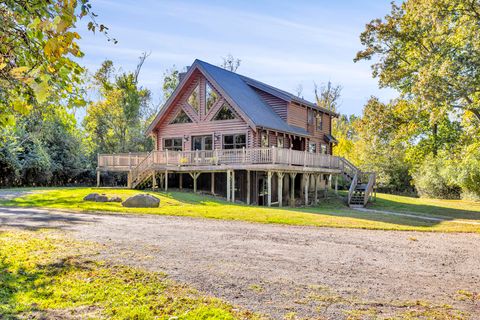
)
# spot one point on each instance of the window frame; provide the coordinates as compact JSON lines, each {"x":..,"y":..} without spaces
{"x":310,"y":149}
{"x":202,"y":141}
{"x":280,"y":145}
{"x":172,"y":147}
{"x":319,"y":121}
{"x":262,"y":135}
{"x":234,"y":144}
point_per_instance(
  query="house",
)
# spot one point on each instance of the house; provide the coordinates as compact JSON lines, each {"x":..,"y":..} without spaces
{"x":236,"y":137}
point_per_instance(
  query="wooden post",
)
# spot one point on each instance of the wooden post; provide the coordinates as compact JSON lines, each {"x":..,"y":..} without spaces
{"x":292,"y":188}
{"x":233,"y":186}
{"x":336,"y":184}
{"x":280,"y":188}
{"x":212,"y":182}
{"x":316,"y":188}
{"x":269,"y":188}
{"x":98,"y":178}
{"x":194,"y":176}
{"x":248,"y":187}
{"x":129,"y":179}
{"x":166,"y":180}
{"x":330,"y":181}
{"x":129,"y":160}
{"x":161,"y":177}
{"x":306,"y":177}
{"x":180,"y":181}
{"x":229,"y":188}
{"x":154,"y":182}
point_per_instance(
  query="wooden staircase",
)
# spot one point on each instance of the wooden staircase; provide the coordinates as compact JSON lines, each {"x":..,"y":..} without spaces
{"x":361,"y":184}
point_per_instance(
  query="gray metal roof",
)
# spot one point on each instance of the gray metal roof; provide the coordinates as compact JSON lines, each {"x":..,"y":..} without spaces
{"x":245,"y":97}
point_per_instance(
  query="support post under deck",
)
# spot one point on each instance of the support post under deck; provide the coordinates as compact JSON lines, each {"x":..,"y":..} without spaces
{"x":269,"y":188}
{"x":212,"y":182}
{"x":280,"y":188}
{"x":292,"y":188}
{"x":229,"y":189}
{"x":248,"y":187}
{"x":166,"y":180}
{"x":98,"y":178}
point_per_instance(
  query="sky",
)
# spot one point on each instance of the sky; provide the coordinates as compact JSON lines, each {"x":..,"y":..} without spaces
{"x":286,"y":44}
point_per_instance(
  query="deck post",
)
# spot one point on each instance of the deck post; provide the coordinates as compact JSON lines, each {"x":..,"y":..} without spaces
{"x":269,"y":188}
{"x":306,"y":177}
{"x":194,"y":176}
{"x":180,"y":181}
{"x":212,"y":182}
{"x":336,"y":184}
{"x":248,"y":186}
{"x":229,"y":188}
{"x":129,"y":160}
{"x":280,"y":188}
{"x":98,"y":178}
{"x":292,"y":188}
{"x":129,"y":179}
{"x":162,"y":179}
{"x":233,"y":186}
{"x":154,"y":180}
{"x":316,"y":188}
{"x":166,"y":180}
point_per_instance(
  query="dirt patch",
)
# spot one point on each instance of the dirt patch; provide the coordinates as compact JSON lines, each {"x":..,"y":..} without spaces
{"x":291,"y":271}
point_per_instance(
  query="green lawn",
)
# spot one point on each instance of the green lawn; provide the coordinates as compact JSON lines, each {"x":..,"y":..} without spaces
{"x":331,"y":214}
{"x":47,"y":276}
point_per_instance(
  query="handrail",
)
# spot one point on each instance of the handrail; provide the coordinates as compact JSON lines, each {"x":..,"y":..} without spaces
{"x":369,"y":188}
{"x":352,"y":187}
{"x":140,"y":168}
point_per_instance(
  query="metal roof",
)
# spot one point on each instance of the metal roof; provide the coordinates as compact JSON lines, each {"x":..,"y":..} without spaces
{"x":239,"y":89}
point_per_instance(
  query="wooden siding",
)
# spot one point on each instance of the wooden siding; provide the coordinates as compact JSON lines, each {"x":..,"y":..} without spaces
{"x":278,"y":105}
{"x":297,"y":115}
{"x":202,"y":125}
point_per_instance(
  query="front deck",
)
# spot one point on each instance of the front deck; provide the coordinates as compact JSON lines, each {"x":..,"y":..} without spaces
{"x":247,"y":172}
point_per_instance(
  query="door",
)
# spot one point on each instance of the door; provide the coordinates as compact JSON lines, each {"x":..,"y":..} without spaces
{"x":202,"y":142}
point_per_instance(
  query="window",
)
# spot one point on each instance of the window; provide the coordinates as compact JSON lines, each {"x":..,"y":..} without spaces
{"x":234,"y":141}
{"x":211,"y":97}
{"x":225,"y":113}
{"x":280,"y":142}
{"x":312,"y":147}
{"x":181,"y":117}
{"x":202,"y":142}
{"x":319,"y":121}
{"x":194,"y":99}
{"x":310,"y":116}
{"x":323,"y":149}
{"x":174,"y":144}
{"x":264,"y":141}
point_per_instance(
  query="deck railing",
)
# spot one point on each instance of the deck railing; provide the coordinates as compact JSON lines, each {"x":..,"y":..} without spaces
{"x":129,"y":161}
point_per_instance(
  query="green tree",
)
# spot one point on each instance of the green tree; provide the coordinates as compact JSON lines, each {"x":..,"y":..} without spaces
{"x":428,"y":50}
{"x":37,"y":48}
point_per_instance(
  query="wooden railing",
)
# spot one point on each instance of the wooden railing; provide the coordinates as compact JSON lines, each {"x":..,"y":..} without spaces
{"x":351,"y":190}
{"x":220,"y":157}
{"x":369,"y":188}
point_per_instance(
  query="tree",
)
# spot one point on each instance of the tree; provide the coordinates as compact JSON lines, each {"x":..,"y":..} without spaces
{"x":37,"y":51}
{"x":116,"y":122}
{"x":231,"y":63}
{"x":429,"y":50}
{"x":328,"y":96}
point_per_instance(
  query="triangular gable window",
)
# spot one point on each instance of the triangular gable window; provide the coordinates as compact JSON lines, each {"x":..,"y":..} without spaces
{"x":211,"y":97}
{"x":194,"y":99}
{"x":182,"y":117}
{"x":225,"y":113}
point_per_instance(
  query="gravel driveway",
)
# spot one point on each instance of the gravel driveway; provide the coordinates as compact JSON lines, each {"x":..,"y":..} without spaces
{"x":275,"y":269}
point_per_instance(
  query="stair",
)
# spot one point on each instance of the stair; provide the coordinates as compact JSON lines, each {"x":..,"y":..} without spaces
{"x":361,"y":185}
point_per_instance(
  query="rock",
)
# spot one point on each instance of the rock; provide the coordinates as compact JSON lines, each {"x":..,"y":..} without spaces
{"x":101,"y":198}
{"x":115,"y":199}
{"x":90,"y":197}
{"x":142,"y":201}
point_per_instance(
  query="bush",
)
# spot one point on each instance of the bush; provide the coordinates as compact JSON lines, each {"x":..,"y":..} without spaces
{"x":433,"y":180}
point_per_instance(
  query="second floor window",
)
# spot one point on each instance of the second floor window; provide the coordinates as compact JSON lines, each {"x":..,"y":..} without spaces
{"x":234,"y":141}
{"x":310,"y":117}
{"x":312,"y":147}
{"x":174,"y":144}
{"x":319,"y":121}
{"x":264,"y":140}
{"x":280,"y":142}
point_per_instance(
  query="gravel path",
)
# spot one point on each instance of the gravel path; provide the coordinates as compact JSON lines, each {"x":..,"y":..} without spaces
{"x":275,"y":269}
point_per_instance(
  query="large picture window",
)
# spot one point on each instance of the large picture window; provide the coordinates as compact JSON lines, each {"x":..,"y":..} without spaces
{"x":174,"y":144}
{"x":194,"y":98}
{"x":319,"y":121}
{"x":234,"y":141}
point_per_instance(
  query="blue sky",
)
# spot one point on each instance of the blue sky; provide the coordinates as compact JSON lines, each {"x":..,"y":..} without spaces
{"x":282,"y":43}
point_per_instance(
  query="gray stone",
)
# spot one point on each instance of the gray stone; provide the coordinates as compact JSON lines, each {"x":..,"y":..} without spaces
{"x":115,"y":199}
{"x":101,"y":198}
{"x":91,"y":197}
{"x":142,"y":201}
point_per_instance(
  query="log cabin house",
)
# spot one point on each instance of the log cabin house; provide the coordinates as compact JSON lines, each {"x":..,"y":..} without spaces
{"x":236,"y":137}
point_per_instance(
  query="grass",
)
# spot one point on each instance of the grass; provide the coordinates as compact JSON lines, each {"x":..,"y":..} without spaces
{"x":330,"y":214}
{"x":45,"y":275}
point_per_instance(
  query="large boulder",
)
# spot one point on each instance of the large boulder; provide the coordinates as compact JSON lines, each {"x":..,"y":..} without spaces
{"x":101,"y":198}
{"x":115,"y":199}
{"x":142,"y":201}
{"x":91,"y":197}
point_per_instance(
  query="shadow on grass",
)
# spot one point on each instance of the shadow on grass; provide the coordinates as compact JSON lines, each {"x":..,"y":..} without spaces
{"x":34,"y":283}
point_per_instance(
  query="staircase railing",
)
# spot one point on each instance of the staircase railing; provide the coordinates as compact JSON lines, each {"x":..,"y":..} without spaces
{"x":351,"y":190}
{"x":140,"y":169}
{"x":369,"y":188}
